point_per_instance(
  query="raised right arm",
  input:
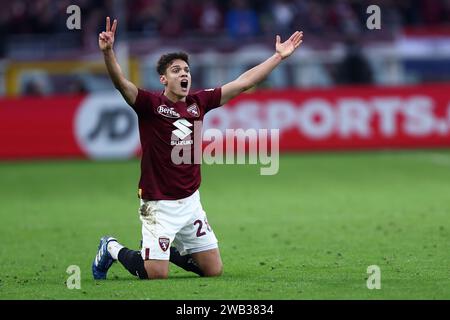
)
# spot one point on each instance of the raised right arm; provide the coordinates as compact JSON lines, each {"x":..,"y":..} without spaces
{"x":105,"y":41}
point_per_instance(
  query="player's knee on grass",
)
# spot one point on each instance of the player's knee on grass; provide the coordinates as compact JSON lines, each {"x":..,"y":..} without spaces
{"x":157,"y":269}
{"x":215,"y":270}
{"x":209,"y":262}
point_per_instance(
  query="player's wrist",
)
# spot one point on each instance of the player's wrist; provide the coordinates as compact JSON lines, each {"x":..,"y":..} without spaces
{"x":107,"y":51}
{"x":278,"y":56}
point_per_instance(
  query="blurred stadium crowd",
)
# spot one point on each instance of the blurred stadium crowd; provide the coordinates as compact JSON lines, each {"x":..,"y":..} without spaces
{"x":36,"y":30}
{"x":236,"y":18}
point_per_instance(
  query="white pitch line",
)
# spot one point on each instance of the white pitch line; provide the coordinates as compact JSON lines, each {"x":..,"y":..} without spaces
{"x":434,"y":158}
{"x":438,"y":158}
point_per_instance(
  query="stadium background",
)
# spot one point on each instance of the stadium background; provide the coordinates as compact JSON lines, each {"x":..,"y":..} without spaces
{"x":375,"y":103}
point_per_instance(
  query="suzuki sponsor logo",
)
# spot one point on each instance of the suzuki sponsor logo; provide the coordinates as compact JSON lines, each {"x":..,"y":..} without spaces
{"x":183,"y":128}
{"x":262,"y":147}
{"x":167,"y":112}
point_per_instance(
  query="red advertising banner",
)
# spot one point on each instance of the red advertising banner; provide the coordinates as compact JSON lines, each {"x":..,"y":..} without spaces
{"x":347,"y":118}
{"x":98,"y":126}
{"x":38,"y":128}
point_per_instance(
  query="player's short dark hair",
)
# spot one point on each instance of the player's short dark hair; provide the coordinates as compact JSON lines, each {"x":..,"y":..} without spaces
{"x":166,"y":59}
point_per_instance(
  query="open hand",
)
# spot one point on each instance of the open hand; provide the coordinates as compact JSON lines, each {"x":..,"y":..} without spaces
{"x":286,"y":48}
{"x":106,"y":38}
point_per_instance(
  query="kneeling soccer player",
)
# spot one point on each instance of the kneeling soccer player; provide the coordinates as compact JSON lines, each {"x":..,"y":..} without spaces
{"x":174,"y":225}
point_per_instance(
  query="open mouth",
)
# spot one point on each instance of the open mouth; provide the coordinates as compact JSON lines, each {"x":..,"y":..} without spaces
{"x":184,"y":84}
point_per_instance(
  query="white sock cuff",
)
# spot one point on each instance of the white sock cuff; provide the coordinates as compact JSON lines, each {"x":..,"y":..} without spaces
{"x":114,"y":248}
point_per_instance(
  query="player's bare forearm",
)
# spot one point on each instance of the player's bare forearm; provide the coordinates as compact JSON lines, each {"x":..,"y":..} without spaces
{"x":257,"y":74}
{"x":106,"y":41}
{"x":249,"y":78}
{"x":128,"y":90}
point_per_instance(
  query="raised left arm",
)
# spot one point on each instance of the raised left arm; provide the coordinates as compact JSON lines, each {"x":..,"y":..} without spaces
{"x":255,"y":75}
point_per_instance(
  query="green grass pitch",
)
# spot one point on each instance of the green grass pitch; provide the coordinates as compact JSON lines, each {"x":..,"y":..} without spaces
{"x":309,"y":232}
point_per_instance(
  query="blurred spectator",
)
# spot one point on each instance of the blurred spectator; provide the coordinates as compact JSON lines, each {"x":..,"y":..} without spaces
{"x":34,"y":87}
{"x":41,"y":17}
{"x":173,"y":24}
{"x":315,"y":20}
{"x":283,"y":13}
{"x":210,"y":20}
{"x":145,"y":16}
{"x":432,"y":11}
{"x":346,"y":18}
{"x":77,"y":86}
{"x":409,"y":10}
{"x":18,"y":19}
{"x":241,"y":20}
{"x":354,"y":68}
{"x":3,"y":31}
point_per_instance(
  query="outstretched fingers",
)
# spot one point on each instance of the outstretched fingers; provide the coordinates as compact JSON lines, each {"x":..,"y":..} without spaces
{"x":108,"y":24}
{"x":114,"y":26}
{"x":297,"y":39}
{"x":293,"y":36}
{"x":298,"y":36}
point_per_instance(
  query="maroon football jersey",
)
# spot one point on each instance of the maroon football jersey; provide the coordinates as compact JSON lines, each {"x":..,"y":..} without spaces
{"x":163,"y":126}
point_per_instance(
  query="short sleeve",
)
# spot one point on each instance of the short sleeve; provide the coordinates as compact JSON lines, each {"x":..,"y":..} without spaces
{"x":144,"y":101}
{"x":210,"y":98}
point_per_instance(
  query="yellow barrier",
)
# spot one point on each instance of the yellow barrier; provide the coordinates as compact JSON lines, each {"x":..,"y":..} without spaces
{"x":14,"y":70}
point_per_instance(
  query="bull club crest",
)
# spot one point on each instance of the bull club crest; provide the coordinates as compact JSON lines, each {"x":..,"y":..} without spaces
{"x":193,"y":110}
{"x":164,"y":243}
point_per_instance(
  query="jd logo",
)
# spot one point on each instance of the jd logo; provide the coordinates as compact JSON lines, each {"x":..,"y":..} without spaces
{"x":115,"y":123}
{"x":106,"y":127}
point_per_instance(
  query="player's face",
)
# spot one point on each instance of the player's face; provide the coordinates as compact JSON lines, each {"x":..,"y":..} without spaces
{"x":177,"y":78}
